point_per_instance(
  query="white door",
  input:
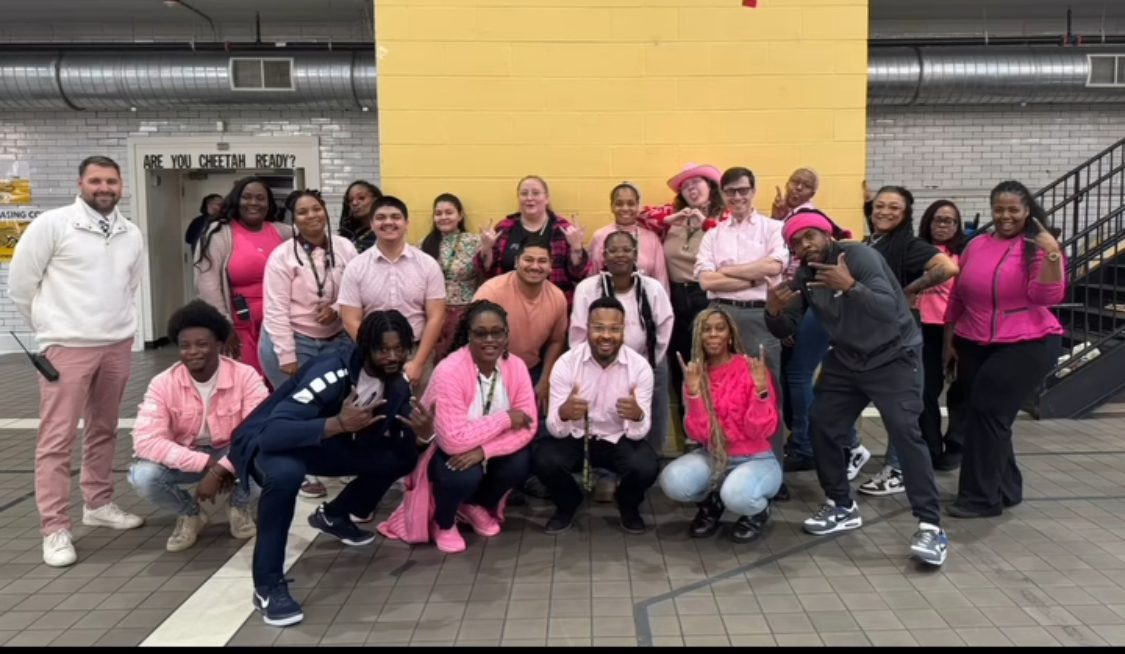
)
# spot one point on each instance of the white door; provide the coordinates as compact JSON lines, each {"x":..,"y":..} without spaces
{"x":165,"y":244}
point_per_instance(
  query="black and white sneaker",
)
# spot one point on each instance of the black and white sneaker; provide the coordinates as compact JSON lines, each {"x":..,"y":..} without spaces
{"x":277,"y":606}
{"x":857,"y":458}
{"x":930,"y":544}
{"x":887,"y":481}
{"x":340,"y":527}
{"x":831,"y":518}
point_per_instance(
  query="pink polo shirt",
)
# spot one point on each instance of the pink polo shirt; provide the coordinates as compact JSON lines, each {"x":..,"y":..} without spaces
{"x":650,"y":252}
{"x":373,"y":282}
{"x":601,"y":387}
{"x":590,"y":289}
{"x":735,"y":242}
{"x":299,"y":284}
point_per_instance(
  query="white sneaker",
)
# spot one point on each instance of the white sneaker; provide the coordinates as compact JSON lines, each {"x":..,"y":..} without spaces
{"x":242,"y":524}
{"x":58,"y":549}
{"x":887,"y":481}
{"x":110,"y":516}
{"x":857,"y":458}
{"x":186,"y":532}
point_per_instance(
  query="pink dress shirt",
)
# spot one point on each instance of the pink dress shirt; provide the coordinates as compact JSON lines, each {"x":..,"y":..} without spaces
{"x":650,"y":252}
{"x":293,"y":299}
{"x":601,"y":387}
{"x":373,"y":282}
{"x":735,"y":242}
{"x":590,"y":289}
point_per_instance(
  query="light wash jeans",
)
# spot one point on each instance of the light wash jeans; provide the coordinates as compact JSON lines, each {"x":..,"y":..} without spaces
{"x":161,"y":485}
{"x":307,"y":348}
{"x":750,"y":482}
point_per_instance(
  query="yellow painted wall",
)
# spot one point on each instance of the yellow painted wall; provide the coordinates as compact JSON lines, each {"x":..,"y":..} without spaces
{"x":474,"y":94}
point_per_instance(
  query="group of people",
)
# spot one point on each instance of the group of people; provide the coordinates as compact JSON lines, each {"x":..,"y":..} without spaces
{"x":481,"y":360}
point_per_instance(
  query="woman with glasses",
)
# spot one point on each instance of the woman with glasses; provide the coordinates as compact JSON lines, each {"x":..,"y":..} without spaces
{"x":625,"y":201}
{"x":484,"y":420}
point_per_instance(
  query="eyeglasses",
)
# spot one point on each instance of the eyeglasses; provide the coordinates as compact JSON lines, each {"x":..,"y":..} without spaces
{"x":945,"y":222}
{"x":743,"y":191}
{"x":488,"y":334}
{"x":613,"y":330}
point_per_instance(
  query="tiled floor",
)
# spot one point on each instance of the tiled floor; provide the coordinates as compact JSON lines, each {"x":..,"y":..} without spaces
{"x":1051,"y":571}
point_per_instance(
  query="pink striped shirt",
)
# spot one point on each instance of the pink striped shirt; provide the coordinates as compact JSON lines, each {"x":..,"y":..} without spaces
{"x":736,"y":243}
{"x":373,"y":282}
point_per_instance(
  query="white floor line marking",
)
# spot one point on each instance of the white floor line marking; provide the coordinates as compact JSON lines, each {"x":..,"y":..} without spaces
{"x":216,"y":611}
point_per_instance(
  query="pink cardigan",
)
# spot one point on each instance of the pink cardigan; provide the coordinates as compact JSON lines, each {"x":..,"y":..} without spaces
{"x":171,"y":414}
{"x":451,"y":393}
{"x":748,"y":421}
{"x":996,"y":300}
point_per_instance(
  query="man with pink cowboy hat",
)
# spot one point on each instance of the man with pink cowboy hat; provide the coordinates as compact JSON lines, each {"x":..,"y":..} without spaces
{"x":875,"y":357}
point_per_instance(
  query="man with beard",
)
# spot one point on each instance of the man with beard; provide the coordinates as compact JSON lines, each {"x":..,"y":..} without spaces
{"x":876,"y":356}
{"x":73,"y":277}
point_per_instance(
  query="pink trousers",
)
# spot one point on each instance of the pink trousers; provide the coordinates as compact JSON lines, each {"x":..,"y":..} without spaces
{"x":90,"y":386}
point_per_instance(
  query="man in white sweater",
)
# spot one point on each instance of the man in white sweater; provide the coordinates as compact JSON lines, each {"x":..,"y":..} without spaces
{"x":73,"y":277}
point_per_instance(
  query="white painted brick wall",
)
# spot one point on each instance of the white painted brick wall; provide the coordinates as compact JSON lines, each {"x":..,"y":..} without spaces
{"x":51,"y":144}
{"x":960,"y":153}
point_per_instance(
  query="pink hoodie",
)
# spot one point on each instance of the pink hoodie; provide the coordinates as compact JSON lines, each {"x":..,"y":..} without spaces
{"x":450,"y":394}
{"x":171,"y":414}
{"x":995,"y":300}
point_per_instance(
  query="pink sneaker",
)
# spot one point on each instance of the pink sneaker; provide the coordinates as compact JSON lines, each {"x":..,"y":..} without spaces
{"x":479,"y":519}
{"x":448,"y":540}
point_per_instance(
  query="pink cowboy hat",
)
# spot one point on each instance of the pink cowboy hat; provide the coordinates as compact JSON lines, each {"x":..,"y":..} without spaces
{"x":694,"y":170}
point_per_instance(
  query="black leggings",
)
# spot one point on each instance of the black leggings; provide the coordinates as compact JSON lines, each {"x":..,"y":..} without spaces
{"x":475,"y":485}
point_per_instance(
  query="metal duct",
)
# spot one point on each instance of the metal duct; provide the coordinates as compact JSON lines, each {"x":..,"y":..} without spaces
{"x":171,"y":80}
{"x":984,"y":75}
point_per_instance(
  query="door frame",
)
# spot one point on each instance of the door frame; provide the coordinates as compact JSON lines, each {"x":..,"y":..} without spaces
{"x":305,"y":151}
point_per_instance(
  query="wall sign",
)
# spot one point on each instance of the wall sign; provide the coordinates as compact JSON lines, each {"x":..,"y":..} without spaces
{"x":219,"y":161}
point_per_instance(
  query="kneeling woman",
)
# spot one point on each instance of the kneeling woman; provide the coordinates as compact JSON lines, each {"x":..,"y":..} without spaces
{"x":729,"y":412}
{"x":484,"y":420}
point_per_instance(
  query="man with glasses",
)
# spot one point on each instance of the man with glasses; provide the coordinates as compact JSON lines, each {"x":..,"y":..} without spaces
{"x":601,"y":397}
{"x":737,"y":262}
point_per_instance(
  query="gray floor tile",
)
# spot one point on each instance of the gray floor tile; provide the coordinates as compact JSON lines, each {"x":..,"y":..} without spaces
{"x":78,"y":638}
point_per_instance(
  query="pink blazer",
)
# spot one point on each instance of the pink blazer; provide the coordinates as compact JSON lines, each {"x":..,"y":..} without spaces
{"x":450,"y":394}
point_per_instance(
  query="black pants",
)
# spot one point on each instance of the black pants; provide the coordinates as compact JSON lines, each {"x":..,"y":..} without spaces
{"x":634,"y":462}
{"x":477,"y":485}
{"x":997,"y":379}
{"x":376,"y":462}
{"x":933,"y":342}
{"x":687,"y":301}
{"x":896,"y":391}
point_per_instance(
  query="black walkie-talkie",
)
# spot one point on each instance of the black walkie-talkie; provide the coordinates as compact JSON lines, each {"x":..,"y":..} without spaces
{"x":39,"y":361}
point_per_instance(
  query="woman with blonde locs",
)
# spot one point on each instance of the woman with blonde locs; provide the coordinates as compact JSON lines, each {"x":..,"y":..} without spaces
{"x":731,"y":413}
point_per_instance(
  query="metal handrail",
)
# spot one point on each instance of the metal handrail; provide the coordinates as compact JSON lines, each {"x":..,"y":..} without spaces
{"x":1082,"y":166}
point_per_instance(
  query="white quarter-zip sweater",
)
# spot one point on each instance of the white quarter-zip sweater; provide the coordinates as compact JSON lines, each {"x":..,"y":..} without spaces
{"x":74,"y":284}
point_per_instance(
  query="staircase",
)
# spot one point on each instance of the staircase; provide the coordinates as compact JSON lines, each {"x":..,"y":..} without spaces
{"x":1088,"y":205}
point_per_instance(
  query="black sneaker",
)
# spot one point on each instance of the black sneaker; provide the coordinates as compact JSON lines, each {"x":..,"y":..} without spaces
{"x":782,"y":494}
{"x":948,"y":461}
{"x":341,"y":527}
{"x":559,"y":523}
{"x":750,"y":527}
{"x":277,"y":606}
{"x":798,"y":462}
{"x":706,"y":520}
{"x":632,"y":522}
{"x":533,"y":487}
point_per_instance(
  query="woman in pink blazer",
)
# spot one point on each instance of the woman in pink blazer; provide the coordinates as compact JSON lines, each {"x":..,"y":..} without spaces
{"x":484,"y":420}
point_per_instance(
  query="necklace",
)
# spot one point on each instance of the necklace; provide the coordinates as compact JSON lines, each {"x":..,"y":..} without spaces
{"x":486,"y":403}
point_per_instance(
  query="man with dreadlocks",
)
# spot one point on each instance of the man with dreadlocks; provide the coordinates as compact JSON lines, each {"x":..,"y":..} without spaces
{"x":344,"y":413}
{"x":731,"y":412}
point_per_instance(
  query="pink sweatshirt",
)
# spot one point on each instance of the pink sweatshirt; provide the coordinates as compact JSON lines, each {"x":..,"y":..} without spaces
{"x":171,"y":414}
{"x":748,"y":421}
{"x":450,"y":394}
{"x":995,"y":300}
{"x":933,"y":301}
{"x":292,"y":301}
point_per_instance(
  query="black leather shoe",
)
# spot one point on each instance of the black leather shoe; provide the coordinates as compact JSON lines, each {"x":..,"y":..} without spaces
{"x":961,"y":512}
{"x":559,"y":523}
{"x":948,"y":461}
{"x":782,"y":494}
{"x":706,"y":520}
{"x":798,"y":462}
{"x":632,"y":522}
{"x":750,"y":527}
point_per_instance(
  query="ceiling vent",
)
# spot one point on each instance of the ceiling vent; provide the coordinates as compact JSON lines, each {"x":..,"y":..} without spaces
{"x":261,"y":74}
{"x":1107,"y":70}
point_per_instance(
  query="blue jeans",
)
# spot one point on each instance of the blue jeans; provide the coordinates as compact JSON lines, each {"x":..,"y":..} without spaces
{"x":750,"y":482}
{"x":306,"y":347}
{"x":162,"y":486}
{"x":809,"y":350}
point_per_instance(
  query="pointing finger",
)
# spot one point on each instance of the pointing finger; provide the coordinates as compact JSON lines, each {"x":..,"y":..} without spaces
{"x":843,"y":260}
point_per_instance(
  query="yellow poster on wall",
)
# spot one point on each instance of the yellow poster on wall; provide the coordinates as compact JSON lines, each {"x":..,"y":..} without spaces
{"x":10,"y":233}
{"x":14,"y":190}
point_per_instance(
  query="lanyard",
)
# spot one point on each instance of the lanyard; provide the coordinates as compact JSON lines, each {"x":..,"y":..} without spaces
{"x":487,"y":402}
{"x":320,"y":283}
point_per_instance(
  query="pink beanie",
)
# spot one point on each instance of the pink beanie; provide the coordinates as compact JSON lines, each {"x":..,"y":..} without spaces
{"x":811,"y":220}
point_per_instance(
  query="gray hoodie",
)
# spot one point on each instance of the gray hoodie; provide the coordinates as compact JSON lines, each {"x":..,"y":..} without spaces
{"x":868,"y":327}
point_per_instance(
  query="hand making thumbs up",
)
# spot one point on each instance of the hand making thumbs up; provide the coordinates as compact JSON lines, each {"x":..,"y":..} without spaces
{"x":628,"y":409}
{"x":575,"y":408}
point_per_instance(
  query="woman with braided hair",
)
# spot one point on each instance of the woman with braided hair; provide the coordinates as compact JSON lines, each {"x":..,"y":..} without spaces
{"x":731,"y":413}
{"x":484,"y":419}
